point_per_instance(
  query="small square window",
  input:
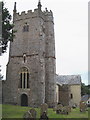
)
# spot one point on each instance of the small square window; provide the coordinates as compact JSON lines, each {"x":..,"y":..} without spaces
{"x":26,"y":28}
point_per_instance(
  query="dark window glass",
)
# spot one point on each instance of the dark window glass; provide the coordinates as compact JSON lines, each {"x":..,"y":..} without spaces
{"x":21,"y":80}
{"x":27,"y":80}
{"x":24,"y":80}
{"x":26,"y":28}
{"x":71,"y":96}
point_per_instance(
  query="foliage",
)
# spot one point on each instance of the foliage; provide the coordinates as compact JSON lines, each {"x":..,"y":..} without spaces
{"x":1,"y":77}
{"x":7,"y":28}
{"x":12,"y":111}
{"x":85,"y":89}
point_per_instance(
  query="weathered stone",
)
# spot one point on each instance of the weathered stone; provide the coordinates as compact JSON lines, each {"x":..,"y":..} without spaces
{"x":59,"y":108}
{"x":33,"y":112}
{"x":44,"y":108}
{"x":63,"y":109}
{"x":44,"y":116}
{"x":74,"y":106}
{"x":69,"y":108}
{"x":68,"y":89}
{"x":33,"y":48}
{"x":83,"y":106}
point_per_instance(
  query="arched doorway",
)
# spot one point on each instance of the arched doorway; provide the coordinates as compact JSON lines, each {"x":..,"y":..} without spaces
{"x":24,"y":100}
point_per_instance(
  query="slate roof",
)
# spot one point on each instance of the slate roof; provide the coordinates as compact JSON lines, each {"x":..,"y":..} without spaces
{"x":68,"y":79}
{"x":85,"y":97}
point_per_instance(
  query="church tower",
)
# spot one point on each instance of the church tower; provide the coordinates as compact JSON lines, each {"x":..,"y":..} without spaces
{"x":31,"y":67}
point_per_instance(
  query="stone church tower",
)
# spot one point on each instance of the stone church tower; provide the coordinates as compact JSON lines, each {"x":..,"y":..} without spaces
{"x":31,"y":67}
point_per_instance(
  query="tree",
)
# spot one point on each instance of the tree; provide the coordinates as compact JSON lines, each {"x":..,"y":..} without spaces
{"x":85,"y":89}
{"x":1,"y":77}
{"x":7,"y":28}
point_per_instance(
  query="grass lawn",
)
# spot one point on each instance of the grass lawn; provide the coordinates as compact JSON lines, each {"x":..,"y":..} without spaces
{"x":11,"y":111}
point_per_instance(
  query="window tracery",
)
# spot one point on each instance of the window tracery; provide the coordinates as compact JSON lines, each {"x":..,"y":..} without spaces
{"x":24,"y":78}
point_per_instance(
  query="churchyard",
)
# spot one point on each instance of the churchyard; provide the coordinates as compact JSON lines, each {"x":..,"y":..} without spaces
{"x":12,"y":111}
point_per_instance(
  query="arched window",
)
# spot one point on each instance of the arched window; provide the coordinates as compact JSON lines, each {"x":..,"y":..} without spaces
{"x":24,"y":78}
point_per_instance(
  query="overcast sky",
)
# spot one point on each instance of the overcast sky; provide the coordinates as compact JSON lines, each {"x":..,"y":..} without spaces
{"x":71,"y":33}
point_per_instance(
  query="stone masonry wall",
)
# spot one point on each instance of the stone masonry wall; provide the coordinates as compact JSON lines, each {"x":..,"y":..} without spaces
{"x":64,"y":95}
{"x":38,"y":45}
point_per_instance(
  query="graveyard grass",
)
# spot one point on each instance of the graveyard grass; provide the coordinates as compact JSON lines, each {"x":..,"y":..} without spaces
{"x":11,"y":111}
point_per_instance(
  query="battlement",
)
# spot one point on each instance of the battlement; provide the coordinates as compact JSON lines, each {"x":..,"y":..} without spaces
{"x":32,"y":14}
{"x":46,"y":12}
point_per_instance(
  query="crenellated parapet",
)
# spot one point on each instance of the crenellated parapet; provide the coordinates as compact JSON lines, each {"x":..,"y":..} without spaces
{"x":46,"y":15}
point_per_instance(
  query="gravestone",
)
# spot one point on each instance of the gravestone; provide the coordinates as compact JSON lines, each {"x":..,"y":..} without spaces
{"x":33,"y":112}
{"x":44,"y":116}
{"x":74,"y":106}
{"x":44,"y":108}
{"x":63,"y":109}
{"x":68,"y":109}
{"x":59,"y":108}
{"x":27,"y":115}
{"x":83,"y":106}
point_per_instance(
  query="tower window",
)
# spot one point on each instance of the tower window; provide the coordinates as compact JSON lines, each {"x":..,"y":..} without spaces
{"x":20,"y":80}
{"x":71,"y":96}
{"x":24,"y":57}
{"x":26,"y":28}
{"x":24,"y":78}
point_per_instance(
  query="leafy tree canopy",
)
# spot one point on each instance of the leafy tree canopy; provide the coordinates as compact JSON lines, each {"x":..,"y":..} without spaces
{"x":85,"y":89}
{"x":7,"y":28}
